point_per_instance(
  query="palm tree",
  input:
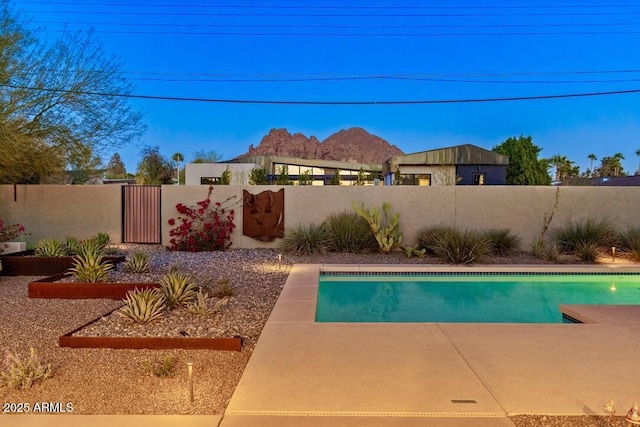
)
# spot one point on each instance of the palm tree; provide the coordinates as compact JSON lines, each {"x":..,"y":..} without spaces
{"x":178,"y":158}
{"x":558,"y":161}
{"x":593,"y":158}
{"x":638,"y":154}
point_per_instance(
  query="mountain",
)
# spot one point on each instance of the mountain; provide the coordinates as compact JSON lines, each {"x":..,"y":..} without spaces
{"x":350,"y":145}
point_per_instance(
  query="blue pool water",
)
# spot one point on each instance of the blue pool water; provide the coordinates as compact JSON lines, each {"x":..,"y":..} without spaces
{"x":499,"y":298}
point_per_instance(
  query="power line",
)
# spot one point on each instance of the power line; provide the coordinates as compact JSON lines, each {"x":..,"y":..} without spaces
{"x":323,"y":7}
{"x":328,"y":103}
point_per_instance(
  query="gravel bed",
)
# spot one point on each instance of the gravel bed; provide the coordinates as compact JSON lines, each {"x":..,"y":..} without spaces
{"x":106,"y":381}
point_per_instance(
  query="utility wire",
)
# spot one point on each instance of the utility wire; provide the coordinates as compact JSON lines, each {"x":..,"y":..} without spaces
{"x":289,"y":102}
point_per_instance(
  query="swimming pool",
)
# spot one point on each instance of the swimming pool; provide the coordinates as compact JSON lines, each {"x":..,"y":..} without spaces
{"x":472,"y":297}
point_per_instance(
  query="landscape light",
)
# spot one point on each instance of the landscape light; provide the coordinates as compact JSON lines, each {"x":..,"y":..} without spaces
{"x":633,"y":417}
{"x":190,"y":365}
{"x":279,"y":260}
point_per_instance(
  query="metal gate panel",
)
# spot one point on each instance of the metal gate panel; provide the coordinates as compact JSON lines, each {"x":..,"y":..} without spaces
{"x":141,"y":211}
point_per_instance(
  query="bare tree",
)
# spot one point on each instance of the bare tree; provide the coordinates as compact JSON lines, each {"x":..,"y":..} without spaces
{"x":61,"y":98}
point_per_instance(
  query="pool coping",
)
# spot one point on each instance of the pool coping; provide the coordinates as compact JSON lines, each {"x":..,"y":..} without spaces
{"x":303,"y":370}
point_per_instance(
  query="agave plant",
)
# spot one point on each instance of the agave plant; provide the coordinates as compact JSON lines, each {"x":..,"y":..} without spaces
{"x":89,"y":265}
{"x":72,"y":245}
{"x":142,"y":306}
{"x":178,"y":288}
{"x":138,"y":263}
{"x":50,"y":248}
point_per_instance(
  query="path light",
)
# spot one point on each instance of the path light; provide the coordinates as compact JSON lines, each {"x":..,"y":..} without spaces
{"x":610,"y":408}
{"x":190,"y":365}
{"x":613,"y":253}
{"x":633,"y":417}
{"x":279,"y":260}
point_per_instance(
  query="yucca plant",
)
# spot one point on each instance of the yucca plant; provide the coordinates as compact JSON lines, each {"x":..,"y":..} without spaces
{"x":501,"y":241}
{"x":601,"y":233}
{"x":306,"y":240}
{"x":587,"y":251}
{"x":630,"y":242}
{"x":143,"y":306}
{"x":72,"y":245}
{"x":459,"y":247}
{"x":89,"y":265}
{"x":137,"y":263}
{"x":349,"y":232}
{"x":49,"y":248}
{"x":178,"y":288}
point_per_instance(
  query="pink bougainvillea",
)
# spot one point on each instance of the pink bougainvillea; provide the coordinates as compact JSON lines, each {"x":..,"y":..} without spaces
{"x":204,"y":227}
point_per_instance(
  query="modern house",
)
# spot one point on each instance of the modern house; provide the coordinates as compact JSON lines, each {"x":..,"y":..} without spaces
{"x":459,"y":165}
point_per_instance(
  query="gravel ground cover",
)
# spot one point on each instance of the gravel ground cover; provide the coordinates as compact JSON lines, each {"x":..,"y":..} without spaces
{"x":105,"y":381}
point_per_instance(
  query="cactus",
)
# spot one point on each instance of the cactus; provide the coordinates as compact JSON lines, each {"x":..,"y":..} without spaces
{"x":383,"y":225}
{"x":413,"y":250}
{"x":89,"y":265}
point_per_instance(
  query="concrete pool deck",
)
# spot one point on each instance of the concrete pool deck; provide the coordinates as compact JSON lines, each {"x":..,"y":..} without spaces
{"x":304,"y":373}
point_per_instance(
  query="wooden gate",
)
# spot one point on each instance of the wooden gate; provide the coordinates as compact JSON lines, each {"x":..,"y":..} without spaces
{"x":141,"y":214}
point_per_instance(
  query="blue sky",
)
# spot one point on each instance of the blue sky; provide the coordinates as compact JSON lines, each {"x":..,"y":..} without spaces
{"x":372,"y":51}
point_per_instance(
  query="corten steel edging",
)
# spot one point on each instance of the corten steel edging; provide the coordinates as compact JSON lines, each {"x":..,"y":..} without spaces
{"x":50,"y":288}
{"x":154,"y":343}
{"x":26,"y":264}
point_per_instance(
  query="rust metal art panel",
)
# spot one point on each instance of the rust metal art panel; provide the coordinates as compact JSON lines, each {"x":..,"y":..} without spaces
{"x":263,"y":215}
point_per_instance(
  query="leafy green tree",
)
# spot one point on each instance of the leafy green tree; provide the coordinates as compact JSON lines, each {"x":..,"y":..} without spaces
{"x":283,"y":176}
{"x":258,"y":176}
{"x":53,"y":105}
{"x":82,"y":165}
{"x":116,"y":168}
{"x":203,"y":156}
{"x":525,"y":168}
{"x":611,"y":166}
{"x":154,"y":168}
{"x":225,"y":178}
{"x":305,"y":178}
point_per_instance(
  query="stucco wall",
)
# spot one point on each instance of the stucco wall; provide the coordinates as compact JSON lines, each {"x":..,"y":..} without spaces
{"x":60,"y":211}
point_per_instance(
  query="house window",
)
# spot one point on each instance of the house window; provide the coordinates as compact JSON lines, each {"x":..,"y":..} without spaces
{"x":423,"y":180}
{"x":209,"y":180}
{"x":479,"y":178}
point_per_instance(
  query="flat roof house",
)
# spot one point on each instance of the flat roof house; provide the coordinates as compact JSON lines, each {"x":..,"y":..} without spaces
{"x":459,"y":165}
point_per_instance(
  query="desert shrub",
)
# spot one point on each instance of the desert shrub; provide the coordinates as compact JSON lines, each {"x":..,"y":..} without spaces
{"x":459,"y":247}
{"x":10,"y":232}
{"x":546,"y":251}
{"x":223,"y":289}
{"x":501,"y":241}
{"x":201,"y":306}
{"x":426,"y":236}
{"x":601,"y":233}
{"x":587,"y":251}
{"x":630,"y":242}
{"x":349,"y":232}
{"x":50,"y":248}
{"x":137,"y":263}
{"x":165,"y":367}
{"x":142,"y":306}
{"x":89,"y":265}
{"x":306,"y":240}
{"x":22,"y":373}
{"x":178,"y":288}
